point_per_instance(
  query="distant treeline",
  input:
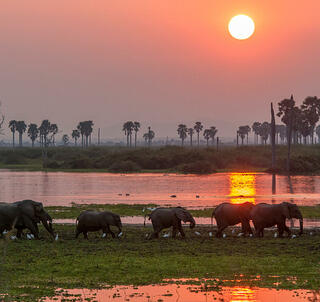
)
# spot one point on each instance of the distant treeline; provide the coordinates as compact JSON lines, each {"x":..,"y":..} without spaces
{"x":305,"y":159}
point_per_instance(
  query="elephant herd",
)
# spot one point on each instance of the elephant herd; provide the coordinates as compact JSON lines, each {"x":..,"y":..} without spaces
{"x":26,"y":214}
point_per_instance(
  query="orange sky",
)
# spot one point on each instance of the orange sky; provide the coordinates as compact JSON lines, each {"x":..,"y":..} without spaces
{"x":162,"y":62}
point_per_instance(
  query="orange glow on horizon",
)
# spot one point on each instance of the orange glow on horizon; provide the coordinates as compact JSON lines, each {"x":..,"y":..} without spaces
{"x":242,"y":187}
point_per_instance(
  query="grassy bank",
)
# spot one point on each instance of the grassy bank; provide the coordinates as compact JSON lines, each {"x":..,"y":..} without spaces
{"x":305,"y":159}
{"x":63,"y":212}
{"x":31,"y":269}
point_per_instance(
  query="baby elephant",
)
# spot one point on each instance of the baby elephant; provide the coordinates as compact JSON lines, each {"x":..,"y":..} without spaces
{"x":91,"y":221}
{"x":163,"y":218}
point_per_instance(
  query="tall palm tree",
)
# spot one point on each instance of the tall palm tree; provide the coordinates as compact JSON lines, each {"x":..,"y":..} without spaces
{"x":54,"y":130}
{"x":243,"y":132}
{"x":75,"y":135}
{"x":21,"y":128}
{"x":128,"y":128}
{"x":149,"y":136}
{"x":311,"y":110}
{"x":190,"y":133}
{"x":265,"y":132}
{"x":182,"y":132}
{"x":213,"y":132}
{"x":207,"y":135}
{"x":44,"y":130}
{"x":198,"y":127}
{"x":256,"y":128}
{"x":136,"y":127}
{"x":33,"y":132}
{"x":318,"y":133}
{"x":88,"y":125}
{"x":13,"y":128}
{"x":81,"y":128}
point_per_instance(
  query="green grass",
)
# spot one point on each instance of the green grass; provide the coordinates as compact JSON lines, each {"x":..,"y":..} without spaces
{"x":32,"y":269}
{"x":63,"y":212}
{"x":304,"y":160}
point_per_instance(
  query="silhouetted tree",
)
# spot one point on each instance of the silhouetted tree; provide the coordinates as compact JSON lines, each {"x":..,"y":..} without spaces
{"x":265,"y":130}
{"x":82,"y":129}
{"x":190,"y":133}
{"x":182,"y":132}
{"x":21,"y":128}
{"x":318,"y":133}
{"x":213,"y":132}
{"x":65,"y":139}
{"x":1,"y":119}
{"x":13,"y":128}
{"x":255,"y":128}
{"x":311,"y":110}
{"x":54,"y":130}
{"x":243,"y":132}
{"x":149,"y":136}
{"x":75,"y":135}
{"x":282,"y":132}
{"x":207,"y":135}
{"x":128,"y":128}
{"x":198,"y":127}
{"x":44,"y":131}
{"x":136,"y":127}
{"x":88,"y":131}
{"x":33,"y":132}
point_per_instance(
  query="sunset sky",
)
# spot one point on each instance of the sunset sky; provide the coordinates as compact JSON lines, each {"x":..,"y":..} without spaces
{"x":161,"y":62}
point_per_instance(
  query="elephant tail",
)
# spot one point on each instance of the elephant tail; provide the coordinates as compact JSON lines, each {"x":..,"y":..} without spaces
{"x":212,"y":215}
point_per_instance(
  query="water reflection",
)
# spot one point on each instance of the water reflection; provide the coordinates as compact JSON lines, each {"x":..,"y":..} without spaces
{"x":242,"y":187}
{"x":184,"y":293}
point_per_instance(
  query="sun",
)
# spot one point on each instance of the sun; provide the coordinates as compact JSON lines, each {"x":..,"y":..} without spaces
{"x":241,"y":27}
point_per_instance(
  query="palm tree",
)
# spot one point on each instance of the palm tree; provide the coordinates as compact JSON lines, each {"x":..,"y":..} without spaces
{"x":13,"y":128}
{"x":318,"y":133}
{"x":256,"y":128}
{"x":149,"y":136}
{"x":311,"y":110}
{"x":207,"y":135}
{"x":128,"y":128}
{"x":243,"y":132}
{"x":136,"y":127}
{"x":282,"y":133}
{"x":182,"y":131}
{"x":265,"y":130}
{"x":54,"y":130}
{"x":65,"y":139}
{"x":213,"y":132}
{"x":75,"y":135}
{"x":44,"y":130}
{"x":33,"y":132}
{"x":81,"y":129}
{"x":21,"y":128}
{"x":88,"y":127}
{"x":190,"y":133}
{"x":198,"y":127}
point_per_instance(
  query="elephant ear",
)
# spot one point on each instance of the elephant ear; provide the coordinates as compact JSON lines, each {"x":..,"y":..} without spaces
{"x":183,"y":214}
{"x":285,"y":210}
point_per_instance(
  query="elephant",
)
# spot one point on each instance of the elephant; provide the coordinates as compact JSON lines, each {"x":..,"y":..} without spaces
{"x":162,"y":218}
{"x":25,"y":214}
{"x":91,"y":221}
{"x":267,"y":215}
{"x":227,"y":214}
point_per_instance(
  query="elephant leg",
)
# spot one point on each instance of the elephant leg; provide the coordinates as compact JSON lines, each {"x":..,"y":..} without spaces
{"x":85,"y":235}
{"x":183,"y":235}
{"x":246,"y":227}
{"x":19,"y":233}
{"x":287,"y":230}
{"x":32,"y":227}
{"x":280,"y":229}
{"x":77,"y":233}
{"x":110,"y":232}
{"x":174,"y":232}
{"x":220,"y":230}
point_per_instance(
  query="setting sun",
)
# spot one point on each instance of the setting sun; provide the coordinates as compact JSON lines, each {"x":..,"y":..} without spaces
{"x":241,"y":27}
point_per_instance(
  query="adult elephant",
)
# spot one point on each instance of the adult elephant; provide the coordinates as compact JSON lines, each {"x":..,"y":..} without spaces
{"x":267,"y":215}
{"x":227,"y":214}
{"x":25,"y":214}
{"x":163,"y":218}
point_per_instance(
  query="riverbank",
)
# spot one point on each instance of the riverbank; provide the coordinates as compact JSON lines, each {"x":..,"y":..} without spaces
{"x":34,"y":269}
{"x":72,"y":212}
{"x":305,"y":159}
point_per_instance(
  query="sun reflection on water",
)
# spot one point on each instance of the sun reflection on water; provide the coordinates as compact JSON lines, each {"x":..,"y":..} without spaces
{"x":243,"y":294}
{"x":242,"y":187}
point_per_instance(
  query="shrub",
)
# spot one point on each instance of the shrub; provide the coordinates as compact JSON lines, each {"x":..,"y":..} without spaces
{"x":125,"y":166}
{"x":14,"y":158}
{"x":197,"y":167}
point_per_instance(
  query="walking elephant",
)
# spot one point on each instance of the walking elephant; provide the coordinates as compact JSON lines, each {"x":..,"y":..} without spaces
{"x":91,"y":221}
{"x":267,"y":215}
{"x":163,"y":218}
{"x":227,"y":214}
{"x":25,"y":214}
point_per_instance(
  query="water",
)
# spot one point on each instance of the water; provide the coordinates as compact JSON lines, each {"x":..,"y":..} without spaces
{"x":59,"y":188}
{"x":186,"y":293}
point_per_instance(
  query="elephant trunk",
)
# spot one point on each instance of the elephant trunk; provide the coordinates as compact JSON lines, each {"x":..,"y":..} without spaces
{"x":212,"y":217}
{"x":192,"y":224}
{"x":47,"y":225}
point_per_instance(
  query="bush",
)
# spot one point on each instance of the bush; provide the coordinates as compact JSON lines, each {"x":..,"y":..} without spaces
{"x":14,"y":158}
{"x":79,"y":163}
{"x":125,"y":166}
{"x":198,"y":167}
{"x":53,"y":164}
